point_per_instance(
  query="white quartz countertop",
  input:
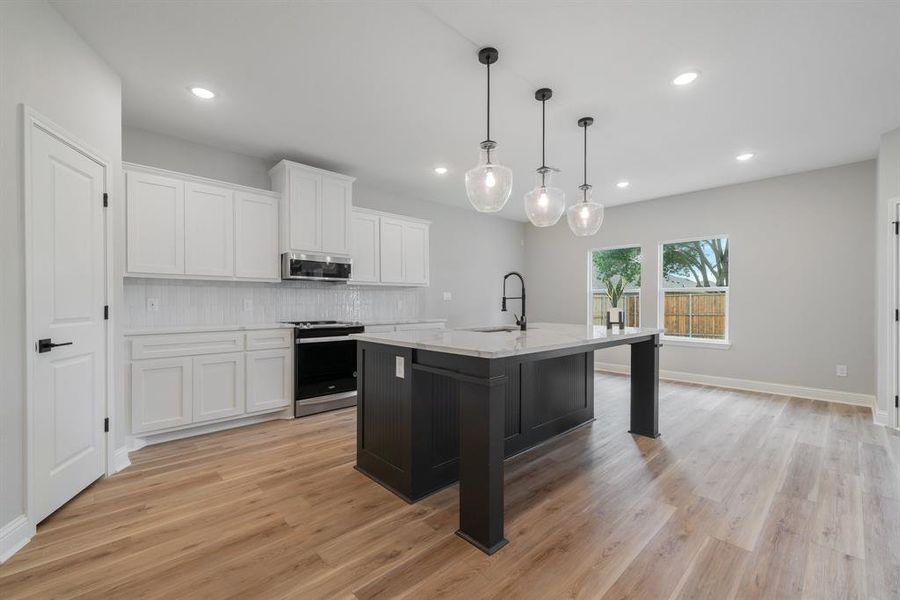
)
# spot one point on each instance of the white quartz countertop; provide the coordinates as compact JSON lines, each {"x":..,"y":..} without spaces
{"x":498,"y":344}
{"x":402,"y":321}
{"x":205,"y":328}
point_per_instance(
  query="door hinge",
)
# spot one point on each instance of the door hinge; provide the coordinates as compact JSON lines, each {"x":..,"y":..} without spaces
{"x":896,"y":227}
{"x":896,"y":401}
{"x":105,"y":200}
{"x":106,"y":425}
{"x":106,"y":312}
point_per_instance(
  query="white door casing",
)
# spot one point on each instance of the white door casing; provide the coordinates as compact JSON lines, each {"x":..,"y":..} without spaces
{"x":66,"y":290}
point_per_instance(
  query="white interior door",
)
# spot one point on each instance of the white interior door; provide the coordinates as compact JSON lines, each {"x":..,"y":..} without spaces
{"x":67,"y":252}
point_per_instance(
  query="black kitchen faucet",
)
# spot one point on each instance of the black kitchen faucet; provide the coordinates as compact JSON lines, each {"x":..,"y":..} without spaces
{"x":519,"y":321}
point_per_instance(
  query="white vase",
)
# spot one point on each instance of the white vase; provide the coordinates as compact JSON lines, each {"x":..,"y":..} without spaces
{"x":614,"y":317}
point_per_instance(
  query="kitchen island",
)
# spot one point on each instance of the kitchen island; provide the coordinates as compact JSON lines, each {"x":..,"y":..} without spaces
{"x":439,"y":406}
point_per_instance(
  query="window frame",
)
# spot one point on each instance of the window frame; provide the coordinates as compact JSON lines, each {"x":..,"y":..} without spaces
{"x":590,"y":280}
{"x":677,"y":340}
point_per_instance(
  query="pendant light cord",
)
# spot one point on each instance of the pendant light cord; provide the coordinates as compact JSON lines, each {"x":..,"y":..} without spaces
{"x":584,"y":190}
{"x":543,"y":143}
{"x":489,"y":101}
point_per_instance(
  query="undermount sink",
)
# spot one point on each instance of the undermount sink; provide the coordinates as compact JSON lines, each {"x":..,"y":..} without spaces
{"x":496,"y":329}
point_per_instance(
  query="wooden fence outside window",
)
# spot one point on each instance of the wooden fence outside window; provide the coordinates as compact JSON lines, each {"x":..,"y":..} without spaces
{"x":688,"y":313}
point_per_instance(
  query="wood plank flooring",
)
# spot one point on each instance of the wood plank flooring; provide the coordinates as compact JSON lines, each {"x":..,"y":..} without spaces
{"x":745,"y":496}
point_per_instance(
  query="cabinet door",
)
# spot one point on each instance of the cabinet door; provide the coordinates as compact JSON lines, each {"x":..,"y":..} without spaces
{"x":336,"y":207}
{"x":256,"y":236}
{"x":161,"y":393}
{"x":391,"y":250}
{"x":270,"y":381}
{"x":365,"y":244}
{"x":415,"y":253}
{"x":218,"y":386}
{"x":208,"y":230}
{"x":155,"y":213}
{"x":305,"y":211}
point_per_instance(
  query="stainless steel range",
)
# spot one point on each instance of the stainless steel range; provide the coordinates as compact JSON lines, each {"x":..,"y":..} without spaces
{"x":325,"y":366}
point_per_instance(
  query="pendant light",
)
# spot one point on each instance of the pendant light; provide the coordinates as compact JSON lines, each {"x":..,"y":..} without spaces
{"x":545,"y":204}
{"x":489,"y":184}
{"x":585,"y":217}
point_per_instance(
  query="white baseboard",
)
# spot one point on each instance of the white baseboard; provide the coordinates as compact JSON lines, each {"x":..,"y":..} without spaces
{"x":120,"y":459}
{"x":882,"y":417}
{"x":749,"y":385}
{"x":159,"y":438}
{"x":14,"y":535}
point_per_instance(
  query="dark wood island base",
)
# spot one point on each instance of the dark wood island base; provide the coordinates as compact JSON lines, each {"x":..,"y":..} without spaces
{"x":427,"y":419}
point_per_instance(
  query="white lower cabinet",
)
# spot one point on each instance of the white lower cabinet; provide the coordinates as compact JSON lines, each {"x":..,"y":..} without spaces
{"x":270,"y":379}
{"x":218,"y":386}
{"x":161,"y":393}
{"x":181,"y":380}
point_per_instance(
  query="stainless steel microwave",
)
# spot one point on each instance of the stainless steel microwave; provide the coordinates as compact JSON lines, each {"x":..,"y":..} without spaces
{"x":315,"y":267}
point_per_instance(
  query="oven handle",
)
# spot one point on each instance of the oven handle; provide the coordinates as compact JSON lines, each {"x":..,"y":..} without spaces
{"x":330,"y":338}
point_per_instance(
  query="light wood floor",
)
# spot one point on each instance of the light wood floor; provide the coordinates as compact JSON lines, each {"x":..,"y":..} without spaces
{"x":744,"y":496}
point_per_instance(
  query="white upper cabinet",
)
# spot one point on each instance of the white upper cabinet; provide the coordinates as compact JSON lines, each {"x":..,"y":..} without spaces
{"x":389,"y":249}
{"x":256,"y":236}
{"x":336,"y":214}
{"x":392,"y":250}
{"x":315,"y":208}
{"x":304,"y":210}
{"x":415,"y":253}
{"x":155,"y":215}
{"x":365,"y":247}
{"x":183,"y":226}
{"x":208,"y":230}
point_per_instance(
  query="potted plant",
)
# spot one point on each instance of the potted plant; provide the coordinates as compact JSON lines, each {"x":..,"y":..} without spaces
{"x":615,"y":289}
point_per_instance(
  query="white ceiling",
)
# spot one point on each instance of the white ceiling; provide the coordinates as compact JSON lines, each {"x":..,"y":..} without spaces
{"x":387,"y":90}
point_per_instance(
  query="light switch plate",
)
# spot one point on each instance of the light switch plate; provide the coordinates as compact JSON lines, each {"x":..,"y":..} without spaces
{"x":448,"y":296}
{"x":840,"y":370}
{"x":153,"y":304}
{"x":248,"y":304}
{"x":399,"y":369}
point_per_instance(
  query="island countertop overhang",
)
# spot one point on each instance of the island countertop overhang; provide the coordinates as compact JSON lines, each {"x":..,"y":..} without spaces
{"x":539,"y":337}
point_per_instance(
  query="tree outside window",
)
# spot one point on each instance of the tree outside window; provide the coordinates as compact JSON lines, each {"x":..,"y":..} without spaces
{"x":695,"y":288}
{"x":617,"y":265}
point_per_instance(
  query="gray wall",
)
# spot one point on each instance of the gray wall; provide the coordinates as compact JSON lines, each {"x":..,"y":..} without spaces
{"x":888,"y":197}
{"x":47,"y":66}
{"x":470,"y":252}
{"x":803,"y":278}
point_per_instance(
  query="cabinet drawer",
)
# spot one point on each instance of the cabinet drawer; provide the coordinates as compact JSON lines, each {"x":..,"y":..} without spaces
{"x":270,"y":339}
{"x":186,"y":344}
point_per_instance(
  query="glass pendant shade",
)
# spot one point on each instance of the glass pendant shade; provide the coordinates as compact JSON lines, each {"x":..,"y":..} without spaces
{"x":488,"y":185}
{"x":585,"y":217}
{"x":545,"y":204}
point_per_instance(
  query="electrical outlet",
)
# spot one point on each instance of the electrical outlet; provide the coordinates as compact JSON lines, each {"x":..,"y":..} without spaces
{"x":448,"y":296}
{"x":840,"y":370}
{"x":153,"y":304}
{"x":399,"y":369}
{"x":248,"y":304}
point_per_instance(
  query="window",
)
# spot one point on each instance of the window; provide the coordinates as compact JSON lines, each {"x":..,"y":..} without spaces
{"x":611,"y":269}
{"x":694,"y":289}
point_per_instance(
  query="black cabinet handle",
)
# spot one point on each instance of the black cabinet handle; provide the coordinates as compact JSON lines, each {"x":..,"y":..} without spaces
{"x":46,"y":345}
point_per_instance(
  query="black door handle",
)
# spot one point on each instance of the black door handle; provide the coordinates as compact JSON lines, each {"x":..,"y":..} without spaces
{"x":46,"y":345}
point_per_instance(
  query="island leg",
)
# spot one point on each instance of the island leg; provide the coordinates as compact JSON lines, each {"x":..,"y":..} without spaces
{"x":481,"y":427}
{"x":645,"y":388}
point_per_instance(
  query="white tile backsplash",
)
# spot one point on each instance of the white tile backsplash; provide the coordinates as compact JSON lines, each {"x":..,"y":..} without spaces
{"x":222,"y":302}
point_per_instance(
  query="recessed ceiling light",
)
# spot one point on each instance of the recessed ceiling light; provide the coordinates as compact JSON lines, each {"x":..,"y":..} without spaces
{"x":686,"y":78}
{"x":440,"y":170}
{"x":745,"y":156}
{"x":202,"y":93}
{"x":622,"y":184}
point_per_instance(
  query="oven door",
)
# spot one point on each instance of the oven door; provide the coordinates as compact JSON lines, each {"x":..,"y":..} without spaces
{"x":325,"y":365}
{"x":315,"y":267}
